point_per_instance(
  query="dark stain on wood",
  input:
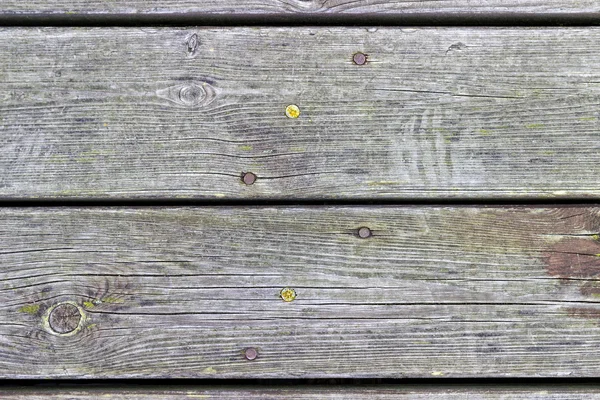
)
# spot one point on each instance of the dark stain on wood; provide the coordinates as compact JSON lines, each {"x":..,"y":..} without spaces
{"x":574,"y":258}
{"x":582,"y":312}
{"x":577,"y":261}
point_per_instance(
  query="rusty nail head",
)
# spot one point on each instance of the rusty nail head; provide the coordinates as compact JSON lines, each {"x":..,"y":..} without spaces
{"x":359,"y":59}
{"x":248,"y":178}
{"x":251,"y":353}
{"x":364,"y":232}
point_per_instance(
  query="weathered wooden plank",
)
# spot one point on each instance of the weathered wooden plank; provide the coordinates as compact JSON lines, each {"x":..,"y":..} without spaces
{"x":184,"y":292}
{"x":380,"y":392}
{"x":281,"y":7}
{"x":146,"y":113}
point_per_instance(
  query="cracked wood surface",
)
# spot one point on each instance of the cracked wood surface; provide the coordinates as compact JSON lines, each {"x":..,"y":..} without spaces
{"x":265,"y":8}
{"x":184,"y":292}
{"x":317,"y":392}
{"x":135,"y":113}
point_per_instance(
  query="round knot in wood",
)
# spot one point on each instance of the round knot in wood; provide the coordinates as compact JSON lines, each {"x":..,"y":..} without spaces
{"x":64,"y":318}
{"x":191,"y":95}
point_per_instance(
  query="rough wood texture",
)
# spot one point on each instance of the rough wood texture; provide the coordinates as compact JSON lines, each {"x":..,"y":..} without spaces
{"x":279,"y":7}
{"x":183,"y":292}
{"x":455,"y":392}
{"x":146,"y":113}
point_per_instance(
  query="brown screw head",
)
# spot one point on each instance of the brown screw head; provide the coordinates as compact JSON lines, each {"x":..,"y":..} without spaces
{"x":364,"y":232}
{"x":248,"y":178}
{"x":64,"y":318}
{"x":251,"y":353}
{"x":359,"y":59}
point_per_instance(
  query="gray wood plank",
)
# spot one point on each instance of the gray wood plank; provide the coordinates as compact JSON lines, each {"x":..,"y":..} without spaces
{"x":279,"y":7}
{"x":184,"y":292}
{"x":380,"y":392}
{"x":157,"y":113}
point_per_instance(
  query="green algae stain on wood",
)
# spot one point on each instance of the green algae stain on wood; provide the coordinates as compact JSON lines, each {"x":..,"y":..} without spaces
{"x":31,"y":309}
{"x":89,"y":304}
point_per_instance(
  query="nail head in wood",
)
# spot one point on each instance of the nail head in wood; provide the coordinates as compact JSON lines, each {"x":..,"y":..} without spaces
{"x":251,"y":353}
{"x":287,"y":294}
{"x":248,"y":178}
{"x":364,"y":232}
{"x":359,"y":59}
{"x":64,"y":318}
{"x":292,"y":111}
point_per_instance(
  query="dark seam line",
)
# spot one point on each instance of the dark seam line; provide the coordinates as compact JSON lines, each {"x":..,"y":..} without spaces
{"x":324,"y":383}
{"x":169,"y":202}
{"x":302,"y":19}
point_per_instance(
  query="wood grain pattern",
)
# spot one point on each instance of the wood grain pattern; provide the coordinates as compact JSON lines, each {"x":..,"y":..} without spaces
{"x":183,"y":292}
{"x":278,"y":7}
{"x":435,"y":113}
{"x":380,"y":392}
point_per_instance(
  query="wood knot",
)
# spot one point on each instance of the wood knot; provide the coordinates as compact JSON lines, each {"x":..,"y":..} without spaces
{"x":191,"y":95}
{"x":64,"y":318}
{"x":306,"y":5}
{"x":192,"y":45}
{"x":459,"y":46}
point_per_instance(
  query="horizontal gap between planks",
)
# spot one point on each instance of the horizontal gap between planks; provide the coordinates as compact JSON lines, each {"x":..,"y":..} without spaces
{"x":168,"y":202}
{"x":188,"y":384}
{"x":302,"y":19}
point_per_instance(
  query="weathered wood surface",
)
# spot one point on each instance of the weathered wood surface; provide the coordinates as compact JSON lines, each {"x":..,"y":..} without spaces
{"x":382,"y":392}
{"x":184,"y":292}
{"x":281,"y":7}
{"x":157,"y":113}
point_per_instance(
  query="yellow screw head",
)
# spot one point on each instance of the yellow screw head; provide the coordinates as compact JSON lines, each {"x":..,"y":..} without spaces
{"x":292,"y":111}
{"x":287,"y":294}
